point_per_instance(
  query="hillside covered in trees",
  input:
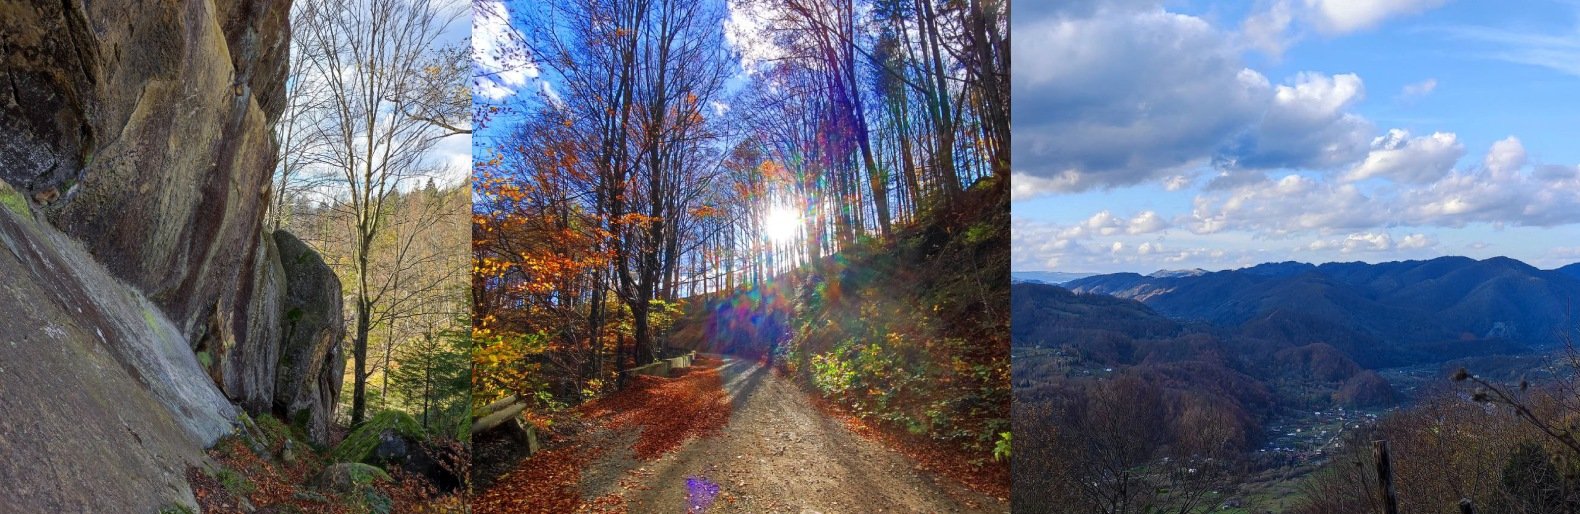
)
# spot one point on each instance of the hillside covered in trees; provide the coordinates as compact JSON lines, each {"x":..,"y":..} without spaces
{"x":1257,"y":377}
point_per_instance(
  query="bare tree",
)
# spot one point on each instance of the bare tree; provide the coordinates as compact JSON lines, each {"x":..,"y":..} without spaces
{"x":374,"y":59}
{"x":305,"y":100}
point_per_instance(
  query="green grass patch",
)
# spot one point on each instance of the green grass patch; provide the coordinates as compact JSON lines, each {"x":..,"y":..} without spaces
{"x":235,"y":483}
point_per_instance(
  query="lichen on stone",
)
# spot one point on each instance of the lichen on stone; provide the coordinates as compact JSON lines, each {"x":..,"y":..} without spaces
{"x":14,"y":201}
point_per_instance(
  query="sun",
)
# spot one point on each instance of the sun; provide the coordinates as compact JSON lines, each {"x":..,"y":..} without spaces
{"x":782,"y":224}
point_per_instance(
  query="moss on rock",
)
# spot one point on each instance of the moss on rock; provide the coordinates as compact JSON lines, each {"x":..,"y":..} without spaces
{"x":349,"y":477}
{"x":359,"y":445}
{"x":14,"y":201}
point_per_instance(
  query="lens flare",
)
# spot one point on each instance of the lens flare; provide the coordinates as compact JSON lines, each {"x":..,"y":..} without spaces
{"x":782,"y":224}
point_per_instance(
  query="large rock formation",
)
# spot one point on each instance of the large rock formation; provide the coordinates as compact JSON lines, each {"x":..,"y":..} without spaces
{"x":147,"y":130}
{"x":311,"y":363}
{"x":141,"y":299}
{"x":101,"y":401}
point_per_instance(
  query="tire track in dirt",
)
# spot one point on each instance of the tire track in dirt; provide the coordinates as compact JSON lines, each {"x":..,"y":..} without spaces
{"x":777,"y":454}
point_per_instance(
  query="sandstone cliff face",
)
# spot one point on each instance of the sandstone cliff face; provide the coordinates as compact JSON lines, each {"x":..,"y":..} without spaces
{"x":141,"y":300}
{"x":161,"y":150}
{"x":103,"y":403}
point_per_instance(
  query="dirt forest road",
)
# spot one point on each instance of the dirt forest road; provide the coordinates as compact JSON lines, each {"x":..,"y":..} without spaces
{"x":777,"y":454}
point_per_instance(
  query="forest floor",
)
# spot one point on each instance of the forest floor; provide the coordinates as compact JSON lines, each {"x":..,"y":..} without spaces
{"x":728,"y":435}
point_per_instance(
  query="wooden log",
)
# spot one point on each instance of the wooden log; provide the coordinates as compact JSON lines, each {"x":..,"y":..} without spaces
{"x":1390,"y":501}
{"x":494,"y":406}
{"x":498,"y":417}
{"x":529,"y":435}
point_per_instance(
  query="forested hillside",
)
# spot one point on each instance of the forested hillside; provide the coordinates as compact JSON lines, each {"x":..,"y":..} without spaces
{"x":1248,"y":380}
{"x":1381,"y":315}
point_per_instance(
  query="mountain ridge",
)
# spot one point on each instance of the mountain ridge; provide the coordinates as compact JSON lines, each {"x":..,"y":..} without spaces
{"x":1380,"y":314}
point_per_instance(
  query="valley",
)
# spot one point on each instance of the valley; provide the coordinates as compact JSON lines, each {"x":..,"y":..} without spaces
{"x":1250,"y":383}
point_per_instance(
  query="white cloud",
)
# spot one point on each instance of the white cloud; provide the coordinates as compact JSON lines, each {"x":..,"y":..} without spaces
{"x":1401,"y":158}
{"x":1372,"y":242}
{"x":1306,"y":125}
{"x":1367,"y":242}
{"x":1121,"y":97}
{"x":1292,"y":204}
{"x":503,"y":63}
{"x":1314,"y":95}
{"x":1024,"y":185}
{"x":1505,"y":189}
{"x":1264,"y":29}
{"x":1146,"y":222}
{"x":1418,"y":89}
{"x":1417,"y":241}
{"x":1104,"y":223}
{"x":1505,"y":158}
{"x":1176,"y":183}
{"x":1129,"y":93}
{"x":1274,"y":25}
{"x":1341,"y":16}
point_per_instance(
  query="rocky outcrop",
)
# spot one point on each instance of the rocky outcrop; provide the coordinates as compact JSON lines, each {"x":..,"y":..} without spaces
{"x":144,"y":126}
{"x":311,"y":364}
{"x":250,"y":364}
{"x":289,"y":363}
{"x":141,"y":300}
{"x":101,"y":401}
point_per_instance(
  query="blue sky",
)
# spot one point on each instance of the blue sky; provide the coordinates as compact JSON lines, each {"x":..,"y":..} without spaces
{"x":1165,"y":135}
{"x":507,"y":76}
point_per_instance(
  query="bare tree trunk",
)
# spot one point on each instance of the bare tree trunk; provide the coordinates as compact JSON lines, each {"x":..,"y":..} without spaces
{"x":944,"y":156}
{"x":1390,"y":501}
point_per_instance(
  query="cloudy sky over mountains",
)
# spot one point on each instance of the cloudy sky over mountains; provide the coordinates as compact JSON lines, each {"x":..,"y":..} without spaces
{"x":1181,"y":134}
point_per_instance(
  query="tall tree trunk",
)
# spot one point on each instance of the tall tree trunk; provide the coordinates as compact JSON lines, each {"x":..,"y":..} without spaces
{"x":995,"y":113}
{"x":359,"y":350}
{"x":938,"y":104}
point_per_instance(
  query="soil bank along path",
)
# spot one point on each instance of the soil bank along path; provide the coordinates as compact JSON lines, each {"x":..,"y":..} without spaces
{"x":725,"y":436}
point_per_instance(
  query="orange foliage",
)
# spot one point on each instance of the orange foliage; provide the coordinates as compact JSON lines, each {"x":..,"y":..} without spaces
{"x":668,"y":411}
{"x":543,"y":483}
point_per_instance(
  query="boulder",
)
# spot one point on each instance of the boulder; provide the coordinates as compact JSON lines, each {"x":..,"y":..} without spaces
{"x":360,"y":444}
{"x":397,"y":449}
{"x":311,"y":364}
{"x":351,"y":477}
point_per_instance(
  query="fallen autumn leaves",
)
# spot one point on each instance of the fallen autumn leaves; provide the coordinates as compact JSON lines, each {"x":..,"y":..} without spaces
{"x":666,"y":411}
